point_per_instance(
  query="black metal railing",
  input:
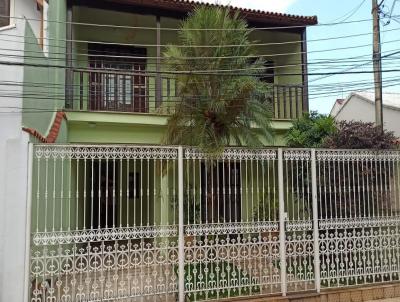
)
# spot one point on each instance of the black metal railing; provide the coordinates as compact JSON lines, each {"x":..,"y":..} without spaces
{"x":106,"y":90}
{"x":144,"y":92}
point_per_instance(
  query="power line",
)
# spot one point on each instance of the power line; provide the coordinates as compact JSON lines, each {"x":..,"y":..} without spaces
{"x":43,"y":95}
{"x":351,"y":13}
{"x":192,"y":29}
{"x":49,"y":85}
{"x":281,"y":54}
{"x":290,"y":62}
{"x":204,"y":46}
{"x":224,"y":72}
{"x":33,"y":92}
{"x":347,"y":69}
{"x":328,"y":64}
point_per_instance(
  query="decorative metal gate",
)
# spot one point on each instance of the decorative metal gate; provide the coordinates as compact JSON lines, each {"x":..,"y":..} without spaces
{"x":104,"y":223}
{"x":171,"y":223}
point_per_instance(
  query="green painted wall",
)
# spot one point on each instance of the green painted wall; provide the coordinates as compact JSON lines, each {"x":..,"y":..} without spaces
{"x":83,"y":132}
{"x":108,"y":128}
{"x":139,"y":131}
{"x":54,"y":204}
{"x":44,"y":86}
{"x":70,"y":201}
{"x":38,"y":94}
{"x":288,"y":48}
{"x":92,"y":127}
{"x":53,"y":79}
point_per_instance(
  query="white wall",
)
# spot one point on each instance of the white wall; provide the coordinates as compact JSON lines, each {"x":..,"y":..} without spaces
{"x":27,"y":9}
{"x":13,"y":155}
{"x":360,"y":110}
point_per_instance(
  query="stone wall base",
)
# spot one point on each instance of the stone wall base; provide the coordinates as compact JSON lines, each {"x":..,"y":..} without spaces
{"x":358,"y":294}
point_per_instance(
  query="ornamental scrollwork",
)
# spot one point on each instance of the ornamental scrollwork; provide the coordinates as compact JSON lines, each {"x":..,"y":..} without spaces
{"x":231,"y":228}
{"x":292,"y":154}
{"x":233,"y":154}
{"x":82,"y":236}
{"x":113,"y":152}
{"x":356,"y":155}
{"x":362,"y":222}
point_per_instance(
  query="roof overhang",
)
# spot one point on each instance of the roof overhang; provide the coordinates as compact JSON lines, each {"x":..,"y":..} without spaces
{"x":180,"y":8}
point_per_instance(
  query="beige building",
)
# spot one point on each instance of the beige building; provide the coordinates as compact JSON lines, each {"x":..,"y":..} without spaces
{"x":360,"y":106}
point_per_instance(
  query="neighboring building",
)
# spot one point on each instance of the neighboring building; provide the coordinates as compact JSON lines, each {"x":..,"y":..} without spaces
{"x":23,"y":32}
{"x":360,"y":106}
{"x":85,"y":103}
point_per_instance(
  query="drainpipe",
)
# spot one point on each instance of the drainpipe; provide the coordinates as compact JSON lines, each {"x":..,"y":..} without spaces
{"x":158,"y":65}
{"x":305,"y":104}
{"x":69,"y":76}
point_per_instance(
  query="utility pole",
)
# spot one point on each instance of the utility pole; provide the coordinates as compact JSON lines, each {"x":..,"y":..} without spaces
{"x":376,"y":57}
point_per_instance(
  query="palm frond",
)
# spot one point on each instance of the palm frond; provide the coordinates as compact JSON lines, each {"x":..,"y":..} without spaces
{"x":217,"y":110}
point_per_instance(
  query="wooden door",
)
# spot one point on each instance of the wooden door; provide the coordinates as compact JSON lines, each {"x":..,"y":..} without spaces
{"x":118,"y":80}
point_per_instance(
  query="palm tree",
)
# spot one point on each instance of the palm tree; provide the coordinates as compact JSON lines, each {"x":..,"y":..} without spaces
{"x":222,"y":99}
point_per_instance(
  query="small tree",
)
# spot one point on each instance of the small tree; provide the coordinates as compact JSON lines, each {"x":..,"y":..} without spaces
{"x":310,"y":131}
{"x":222,"y":99}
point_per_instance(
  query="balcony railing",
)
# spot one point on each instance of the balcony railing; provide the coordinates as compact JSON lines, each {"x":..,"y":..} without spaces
{"x":143,"y":92}
{"x":288,"y":101}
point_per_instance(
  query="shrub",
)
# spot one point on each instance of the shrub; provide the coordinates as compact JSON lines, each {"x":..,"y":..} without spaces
{"x":339,"y":180}
{"x":310,"y":131}
{"x":359,"y":135}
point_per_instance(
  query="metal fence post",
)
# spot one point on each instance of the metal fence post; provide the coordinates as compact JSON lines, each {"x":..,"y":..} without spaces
{"x":282,"y":218}
{"x":317,"y":273}
{"x":181,"y":239}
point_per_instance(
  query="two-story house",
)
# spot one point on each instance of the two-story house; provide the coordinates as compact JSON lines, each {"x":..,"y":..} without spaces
{"x":97,"y":79}
{"x":111,"y":107}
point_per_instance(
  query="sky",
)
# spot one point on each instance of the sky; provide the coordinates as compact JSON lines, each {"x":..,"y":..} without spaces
{"x":334,"y":11}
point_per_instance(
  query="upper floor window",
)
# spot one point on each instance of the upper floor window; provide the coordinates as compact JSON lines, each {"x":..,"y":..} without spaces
{"x":269,"y":74}
{"x":4,"y":12}
{"x":123,"y":85}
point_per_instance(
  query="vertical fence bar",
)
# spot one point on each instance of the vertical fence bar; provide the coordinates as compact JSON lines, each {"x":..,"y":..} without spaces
{"x":282,"y":247}
{"x":317,"y":274}
{"x":181,"y":239}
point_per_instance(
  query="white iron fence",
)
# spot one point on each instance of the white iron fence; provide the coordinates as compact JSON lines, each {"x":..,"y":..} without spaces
{"x":171,"y":223}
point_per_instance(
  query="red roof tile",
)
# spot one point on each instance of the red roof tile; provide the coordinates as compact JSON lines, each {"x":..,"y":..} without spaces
{"x":253,"y":15}
{"x":53,"y":134}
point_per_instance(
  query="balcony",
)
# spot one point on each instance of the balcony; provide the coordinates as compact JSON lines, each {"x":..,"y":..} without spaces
{"x":144,"y":92}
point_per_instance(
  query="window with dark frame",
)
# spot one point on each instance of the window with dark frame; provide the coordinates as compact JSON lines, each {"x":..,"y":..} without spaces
{"x":269,"y":73}
{"x":115,"y":89}
{"x":4,"y":12}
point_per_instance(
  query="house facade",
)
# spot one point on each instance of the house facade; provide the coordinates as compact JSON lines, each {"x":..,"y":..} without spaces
{"x":108,"y":107}
{"x":93,"y":75}
{"x":23,"y":34}
{"x":360,"y":106}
